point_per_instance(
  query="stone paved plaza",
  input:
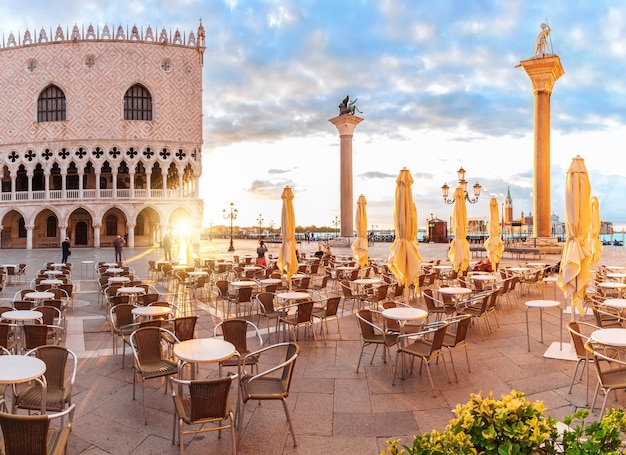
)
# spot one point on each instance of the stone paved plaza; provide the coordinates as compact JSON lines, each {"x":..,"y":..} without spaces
{"x":334,"y":409}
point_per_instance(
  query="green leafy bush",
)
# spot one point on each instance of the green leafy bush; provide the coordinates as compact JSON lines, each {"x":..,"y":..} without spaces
{"x":516,"y":426}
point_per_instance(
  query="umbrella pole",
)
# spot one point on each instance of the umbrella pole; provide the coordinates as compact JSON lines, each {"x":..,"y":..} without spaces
{"x":406,"y":295}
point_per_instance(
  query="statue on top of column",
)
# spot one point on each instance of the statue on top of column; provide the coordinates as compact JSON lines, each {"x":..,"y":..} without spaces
{"x":348,"y":107}
{"x":541,"y":45}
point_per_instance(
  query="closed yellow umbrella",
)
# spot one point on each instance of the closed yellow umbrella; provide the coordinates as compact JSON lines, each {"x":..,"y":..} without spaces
{"x":459,"y":253}
{"x":594,"y":234}
{"x":360,"y":246}
{"x":493,"y":244}
{"x":575,"y":261}
{"x":287,"y":260}
{"x":404,"y":258}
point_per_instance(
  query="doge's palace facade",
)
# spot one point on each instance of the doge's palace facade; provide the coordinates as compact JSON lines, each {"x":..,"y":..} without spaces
{"x":100,"y":135}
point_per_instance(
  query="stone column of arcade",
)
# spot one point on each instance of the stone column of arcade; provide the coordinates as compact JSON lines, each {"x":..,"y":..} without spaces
{"x":543,"y":70}
{"x":345,"y":124}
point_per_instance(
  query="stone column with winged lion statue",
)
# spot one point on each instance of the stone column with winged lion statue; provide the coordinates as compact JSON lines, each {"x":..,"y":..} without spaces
{"x":345,"y":123}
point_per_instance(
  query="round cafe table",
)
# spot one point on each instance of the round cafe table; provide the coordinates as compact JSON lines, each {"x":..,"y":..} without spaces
{"x":22,"y":315}
{"x":52,"y":273}
{"x":367,"y":281}
{"x":243,"y":283}
{"x":610,"y":337}
{"x":16,"y":369}
{"x":404,"y":314}
{"x":52,"y":282}
{"x":270,"y":281}
{"x":619,"y":304}
{"x":613,"y":286}
{"x":118,"y":279}
{"x":541,"y":305}
{"x":150,"y":312}
{"x":39,"y":296}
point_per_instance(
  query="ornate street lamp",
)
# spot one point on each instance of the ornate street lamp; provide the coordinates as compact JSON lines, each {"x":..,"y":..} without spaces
{"x":231,"y":215}
{"x":260,"y":221}
{"x":337,"y":223}
{"x":445,"y":189}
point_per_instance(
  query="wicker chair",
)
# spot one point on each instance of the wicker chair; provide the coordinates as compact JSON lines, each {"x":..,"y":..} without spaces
{"x":149,"y":359}
{"x":611,"y":373}
{"x":427,"y":347}
{"x":36,"y":335}
{"x":59,"y":378}
{"x":265,"y":301}
{"x":454,"y":338}
{"x":235,"y":331}
{"x":7,"y":337}
{"x":302,"y":318}
{"x":206,"y":403}
{"x":328,"y":313}
{"x":268,"y":386}
{"x":33,"y":435}
{"x":122,"y":326}
{"x":373,"y":334}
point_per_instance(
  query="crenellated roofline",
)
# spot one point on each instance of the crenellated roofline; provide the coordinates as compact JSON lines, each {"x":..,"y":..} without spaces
{"x":196,"y":41}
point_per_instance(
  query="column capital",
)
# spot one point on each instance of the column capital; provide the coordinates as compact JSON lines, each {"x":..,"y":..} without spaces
{"x":543,"y":72}
{"x":346,"y":123}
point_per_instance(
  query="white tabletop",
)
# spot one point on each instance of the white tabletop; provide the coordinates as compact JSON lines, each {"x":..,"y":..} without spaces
{"x":293,"y":295}
{"x":58,"y":265}
{"x":270,"y":281}
{"x":243,"y":283}
{"x":345,"y":268}
{"x":198,"y":273}
{"x":404,"y":313}
{"x":616,"y":275}
{"x":9,"y":265}
{"x":483,"y":277}
{"x":20,"y":368}
{"x":519,"y":269}
{"x":118,"y":279}
{"x":542,"y":303}
{"x":52,"y":272}
{"x":443,"y":267}
{"x":110,"y":264}
{"x":151,"y":311}
{"x":455,"y":290}
{"x":252,"y":268}
{"x":611,"y":336}
{"x":551,"y":279}
{"x":365,"y":281}
{"x":614,"y":267}
{"x":204,"y":350}
{"x":114,"y":270}
{"x":51,"y":282}
{"x":131,"y":290}
{"x":21,"y":315}
{"x":39,"y":295}
{"x":616,"y":303}
{"x":297,"y":276}
{"x":611,"y":285}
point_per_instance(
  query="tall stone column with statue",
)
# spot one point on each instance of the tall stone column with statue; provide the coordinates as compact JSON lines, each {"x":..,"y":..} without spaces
{"x":345,"y":123}
{"x":544,"y":69}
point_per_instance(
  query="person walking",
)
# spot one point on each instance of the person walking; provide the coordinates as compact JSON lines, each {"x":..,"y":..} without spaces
{"x":66,"y":250}
{"x":167,"y":247}
{"x":118,"y":244}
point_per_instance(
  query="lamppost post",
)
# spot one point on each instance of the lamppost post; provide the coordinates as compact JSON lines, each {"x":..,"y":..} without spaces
{"x":211,"y":230}
{"x":260,"y":221}
{"x":231,"y":215}
{"x":337,"y":223}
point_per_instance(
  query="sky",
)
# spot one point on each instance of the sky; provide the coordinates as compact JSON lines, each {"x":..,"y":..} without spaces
{"x":436,"y":82}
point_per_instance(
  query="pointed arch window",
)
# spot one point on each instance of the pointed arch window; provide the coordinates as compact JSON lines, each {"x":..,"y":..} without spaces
{"x":51,"y":105}
{"x":137,"y":103}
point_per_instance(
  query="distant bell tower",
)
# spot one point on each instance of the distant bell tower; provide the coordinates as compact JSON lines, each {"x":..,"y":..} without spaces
{"x":508,"y":207}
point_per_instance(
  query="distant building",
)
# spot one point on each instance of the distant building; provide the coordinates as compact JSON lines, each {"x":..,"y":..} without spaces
{"x":100,"y":135}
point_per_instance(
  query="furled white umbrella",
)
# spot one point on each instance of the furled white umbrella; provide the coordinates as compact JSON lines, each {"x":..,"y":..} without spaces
{"x":575,"y":261}
{"x":493,"y":244}
{"x":359,"y":246}
{"x":287,"y":260}
{"x":594,"y":234}
{"x":459,"y":253}
{"x":404,"y":258}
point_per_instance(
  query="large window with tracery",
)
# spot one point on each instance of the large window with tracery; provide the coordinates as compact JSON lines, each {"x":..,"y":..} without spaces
{"x":51,"y":105}
{"x":137,"y":103}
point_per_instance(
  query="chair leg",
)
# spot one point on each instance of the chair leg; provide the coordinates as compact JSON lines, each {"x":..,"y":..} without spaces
{"x":288,"y":414}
